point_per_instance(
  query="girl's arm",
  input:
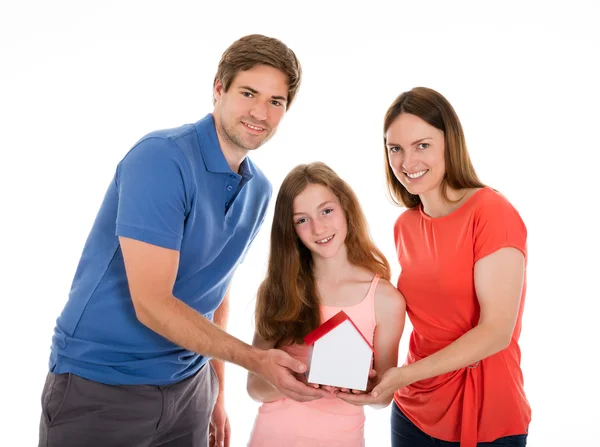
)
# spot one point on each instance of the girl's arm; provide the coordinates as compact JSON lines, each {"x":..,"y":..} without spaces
{"x":390,"y":312}
{"x":258,"y":388}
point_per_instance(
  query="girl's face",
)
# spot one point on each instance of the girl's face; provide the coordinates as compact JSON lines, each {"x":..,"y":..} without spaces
{"x":320,"y":221}
{"x":416,"y":153}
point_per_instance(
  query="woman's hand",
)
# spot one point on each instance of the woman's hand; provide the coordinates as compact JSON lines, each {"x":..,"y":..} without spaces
{"x":381,"y":395}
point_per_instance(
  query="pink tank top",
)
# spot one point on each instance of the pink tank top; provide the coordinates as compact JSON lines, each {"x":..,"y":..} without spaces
{"x":328,"y":421}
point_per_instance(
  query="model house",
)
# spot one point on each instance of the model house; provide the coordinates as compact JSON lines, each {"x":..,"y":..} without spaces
{"x":339,"y":355}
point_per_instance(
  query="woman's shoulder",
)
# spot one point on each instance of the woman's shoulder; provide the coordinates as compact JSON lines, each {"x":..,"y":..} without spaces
{"x":491,"y":203}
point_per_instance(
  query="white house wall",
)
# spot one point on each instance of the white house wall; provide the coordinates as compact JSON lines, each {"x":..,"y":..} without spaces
{"x":341,"y":358}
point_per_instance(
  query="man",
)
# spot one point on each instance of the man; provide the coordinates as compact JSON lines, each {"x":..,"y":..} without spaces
{"x":128,"y":364}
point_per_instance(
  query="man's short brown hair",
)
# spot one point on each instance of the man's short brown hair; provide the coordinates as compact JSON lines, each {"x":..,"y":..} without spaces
{"x":256,"y":49}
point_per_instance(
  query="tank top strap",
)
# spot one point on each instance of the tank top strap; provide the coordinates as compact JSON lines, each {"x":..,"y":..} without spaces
{"x":371,"y":293}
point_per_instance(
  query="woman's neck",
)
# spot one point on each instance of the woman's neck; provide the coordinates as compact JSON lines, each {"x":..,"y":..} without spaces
{"x":435,"y":205}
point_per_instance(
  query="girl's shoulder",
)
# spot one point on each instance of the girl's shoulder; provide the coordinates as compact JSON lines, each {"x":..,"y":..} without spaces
{"x":387,"y":296}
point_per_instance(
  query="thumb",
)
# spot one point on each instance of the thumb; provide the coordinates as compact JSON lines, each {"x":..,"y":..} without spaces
{"x":378,"y":390}
{"x":289,"y":362}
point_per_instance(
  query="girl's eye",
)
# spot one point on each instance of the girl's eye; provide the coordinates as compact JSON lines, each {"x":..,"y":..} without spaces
{"x":328,"y":211}
{"x":423,"y":146}
{"x":301,"y":220}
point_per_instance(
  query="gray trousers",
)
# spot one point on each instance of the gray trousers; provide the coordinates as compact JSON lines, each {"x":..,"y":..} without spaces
{"x":81,"y":413}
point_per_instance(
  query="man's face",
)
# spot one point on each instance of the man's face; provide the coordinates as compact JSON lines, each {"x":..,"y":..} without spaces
{"x":247,"y":115}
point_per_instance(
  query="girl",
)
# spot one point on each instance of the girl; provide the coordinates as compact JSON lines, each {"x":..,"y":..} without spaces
{"x":322,"y":260}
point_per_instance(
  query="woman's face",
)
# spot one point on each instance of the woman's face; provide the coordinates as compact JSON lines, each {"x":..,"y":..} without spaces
{"x":416,"y":153}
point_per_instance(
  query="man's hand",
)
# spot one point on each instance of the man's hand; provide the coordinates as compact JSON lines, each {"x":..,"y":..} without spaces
{"x":381,"y":394}
{"x":279,"y":368}
{"x":219,"y":431}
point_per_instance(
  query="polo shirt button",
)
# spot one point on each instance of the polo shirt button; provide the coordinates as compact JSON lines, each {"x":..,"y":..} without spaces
{"x":229,"y":188}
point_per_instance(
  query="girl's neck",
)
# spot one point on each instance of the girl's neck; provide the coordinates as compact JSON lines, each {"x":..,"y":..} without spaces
{"x":333,"y":269}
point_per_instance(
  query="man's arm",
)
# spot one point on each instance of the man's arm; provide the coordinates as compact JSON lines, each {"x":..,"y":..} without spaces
{"x":220,"y":429}
{"x":220,"y":318}
{"x":151,"y":272}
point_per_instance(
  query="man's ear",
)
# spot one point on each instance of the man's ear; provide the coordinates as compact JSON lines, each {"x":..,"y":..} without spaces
{"x":218,"y":90}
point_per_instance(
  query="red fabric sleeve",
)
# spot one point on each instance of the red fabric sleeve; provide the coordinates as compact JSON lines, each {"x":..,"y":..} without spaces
{"x":498,"y":225}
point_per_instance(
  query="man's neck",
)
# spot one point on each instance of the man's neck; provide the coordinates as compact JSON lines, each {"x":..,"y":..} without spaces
{"x":234,"y":155}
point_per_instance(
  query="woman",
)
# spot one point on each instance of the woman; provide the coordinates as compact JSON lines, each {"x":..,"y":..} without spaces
{"x":462,"y":249}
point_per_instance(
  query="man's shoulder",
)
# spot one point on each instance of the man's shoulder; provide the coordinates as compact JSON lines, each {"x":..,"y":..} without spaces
{"x":166,"y":137}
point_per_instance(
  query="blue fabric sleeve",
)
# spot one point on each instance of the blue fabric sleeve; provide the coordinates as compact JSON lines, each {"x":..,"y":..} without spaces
{"x":152,"y":194}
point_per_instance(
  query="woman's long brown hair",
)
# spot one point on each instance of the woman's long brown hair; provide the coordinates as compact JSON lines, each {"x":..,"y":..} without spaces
{"x":287,"y":305}
{"x":436,"y":110}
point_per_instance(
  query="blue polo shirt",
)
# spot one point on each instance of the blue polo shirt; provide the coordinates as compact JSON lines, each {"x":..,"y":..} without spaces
{"x":173,"y":189}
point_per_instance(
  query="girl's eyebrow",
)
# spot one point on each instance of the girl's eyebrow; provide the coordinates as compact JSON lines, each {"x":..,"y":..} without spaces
{"x":320,"y":206}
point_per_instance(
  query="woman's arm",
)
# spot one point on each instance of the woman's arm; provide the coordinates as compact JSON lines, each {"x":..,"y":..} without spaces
{"x":498,"y":285}
{"x":258,"y":388}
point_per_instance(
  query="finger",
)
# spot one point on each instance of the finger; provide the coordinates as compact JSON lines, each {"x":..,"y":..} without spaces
{"x":372,"y":374}
{"x":379,"y":390}
{"x":302,"y":389}
{"x":289,"y":362}
{"x":227,"y":433}
{"x":356,"y":399}
{"x":220,"y":435}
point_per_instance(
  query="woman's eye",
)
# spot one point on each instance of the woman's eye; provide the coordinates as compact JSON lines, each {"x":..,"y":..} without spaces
{"x":394,"y":149}
{"x":423,"y":146}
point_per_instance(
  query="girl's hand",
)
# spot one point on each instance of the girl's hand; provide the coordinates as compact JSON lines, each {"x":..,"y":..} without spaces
{"x":381,"y":395}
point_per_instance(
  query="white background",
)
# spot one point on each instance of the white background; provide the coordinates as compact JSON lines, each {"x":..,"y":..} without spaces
{"x":80,"y":82}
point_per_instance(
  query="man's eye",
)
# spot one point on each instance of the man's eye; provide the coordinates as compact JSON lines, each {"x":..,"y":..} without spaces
{"x":247,"y":94}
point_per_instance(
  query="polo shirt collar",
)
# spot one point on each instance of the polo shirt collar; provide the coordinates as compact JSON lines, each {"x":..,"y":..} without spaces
{"x":214,"y":160}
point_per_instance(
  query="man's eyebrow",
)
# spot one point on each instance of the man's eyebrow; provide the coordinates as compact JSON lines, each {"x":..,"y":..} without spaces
{"x":254,"y":91}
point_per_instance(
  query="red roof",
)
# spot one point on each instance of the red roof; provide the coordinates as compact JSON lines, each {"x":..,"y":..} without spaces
{"x":330,"y":325}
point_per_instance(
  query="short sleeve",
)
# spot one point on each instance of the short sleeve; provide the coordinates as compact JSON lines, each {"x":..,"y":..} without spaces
{"x":498,"y":225}
{"x":152,"y":194}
